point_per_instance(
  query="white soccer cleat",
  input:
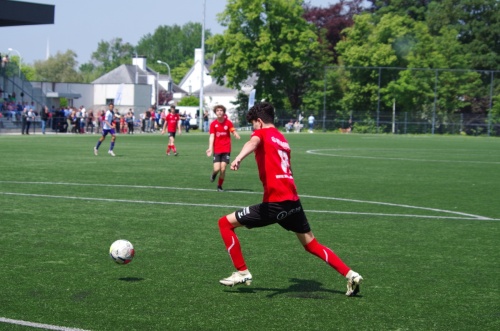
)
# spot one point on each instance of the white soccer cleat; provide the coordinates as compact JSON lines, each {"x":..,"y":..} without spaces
{"x":111,"y":153}
{"x":237,"y":278}
{"x":95,"y":151}
{"x":353,"y":282}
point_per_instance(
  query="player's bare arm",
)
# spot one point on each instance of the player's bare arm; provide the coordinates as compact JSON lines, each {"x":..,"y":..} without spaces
{"x":247,"y":149}
{"x":210,"y":144}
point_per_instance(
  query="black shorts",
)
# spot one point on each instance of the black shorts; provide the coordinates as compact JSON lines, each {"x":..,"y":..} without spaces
{"x":289,"y":214}
{"x":222,"y":157}
{"x":171,"y":134}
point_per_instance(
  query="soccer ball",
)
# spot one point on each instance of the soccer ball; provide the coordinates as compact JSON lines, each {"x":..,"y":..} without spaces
{"x":122,"y":251}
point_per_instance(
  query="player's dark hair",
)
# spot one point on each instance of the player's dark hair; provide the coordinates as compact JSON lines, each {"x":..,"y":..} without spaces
{"x":220,"y":107}
{"x":262,"y":110}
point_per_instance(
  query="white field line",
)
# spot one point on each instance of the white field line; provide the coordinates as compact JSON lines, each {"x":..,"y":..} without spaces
{"x":460,"y":215}
{"x":324,"y":152}
{"x":37,"y":325}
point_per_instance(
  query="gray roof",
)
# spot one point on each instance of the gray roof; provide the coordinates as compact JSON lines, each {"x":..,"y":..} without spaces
{"x":124,"y":74}
{"x":175,"y":87}
{"x":214,"y":88}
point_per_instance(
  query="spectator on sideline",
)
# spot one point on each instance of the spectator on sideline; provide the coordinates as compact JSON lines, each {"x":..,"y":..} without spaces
{"x":205,"y":121}
{"x":310,"y":120}
{"x":44,"y":116}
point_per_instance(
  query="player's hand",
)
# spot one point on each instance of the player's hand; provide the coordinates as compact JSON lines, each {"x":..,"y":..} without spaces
{"x":209,"y":152}
{"x":235,"y":165}
{"x":162,"y":132}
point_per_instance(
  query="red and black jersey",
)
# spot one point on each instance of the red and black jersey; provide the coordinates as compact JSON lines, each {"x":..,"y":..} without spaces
{"x":222,"y":132}
{"x":273,"y":160}
{"x":172,"y":120}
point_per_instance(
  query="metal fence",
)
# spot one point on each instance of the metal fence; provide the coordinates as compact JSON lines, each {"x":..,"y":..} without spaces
{"x":404,"y":101}
{"x":400,"y":123}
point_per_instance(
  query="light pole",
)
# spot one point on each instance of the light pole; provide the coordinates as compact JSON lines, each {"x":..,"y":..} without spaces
{"x":200,"y":116}
{"x":20,"y":58}
{"x":169,"y":77}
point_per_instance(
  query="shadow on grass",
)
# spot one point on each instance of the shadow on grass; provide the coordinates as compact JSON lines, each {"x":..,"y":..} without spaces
{"x":300,"y":288}
{"x":131,"y":279}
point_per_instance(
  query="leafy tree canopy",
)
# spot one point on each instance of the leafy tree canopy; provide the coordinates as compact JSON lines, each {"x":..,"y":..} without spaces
{"x":58,"y":68}
{"x":271,"y":39}
{"x":330,"y":21}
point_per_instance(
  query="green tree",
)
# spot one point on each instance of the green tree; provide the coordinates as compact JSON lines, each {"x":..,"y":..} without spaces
{"x":181,"y":70}
{"x":171,"y":44}
{"x":478,"y":26}
{"x":414,"y":9}
{"x":110,"y":55}
{"x":61,"y":67}
{"x":89,"y":72}
{"x":189,"y":101}
{"x":271,"y":39}
{"x":399,"y":41}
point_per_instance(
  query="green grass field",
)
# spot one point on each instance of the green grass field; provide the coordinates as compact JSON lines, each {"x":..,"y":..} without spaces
{"x":417,"y":216}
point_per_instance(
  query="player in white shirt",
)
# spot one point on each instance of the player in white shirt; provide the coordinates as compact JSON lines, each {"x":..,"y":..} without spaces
{"x":108,"y":127}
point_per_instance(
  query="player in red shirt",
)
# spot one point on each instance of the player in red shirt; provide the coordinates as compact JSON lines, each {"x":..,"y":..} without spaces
{"x":219,"y":144}
{"x":172,"y":122}
{"x":280,"y":204}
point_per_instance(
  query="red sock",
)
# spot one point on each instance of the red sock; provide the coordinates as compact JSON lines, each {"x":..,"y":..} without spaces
{"x":168,"y":149}
{"x":232,"y":243}
{"x":174,"y":149}
{"x":327,"y":255}
{"x":221,"y":180}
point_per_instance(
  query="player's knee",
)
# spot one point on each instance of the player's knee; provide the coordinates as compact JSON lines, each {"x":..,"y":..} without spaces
{"x":224,"y":223}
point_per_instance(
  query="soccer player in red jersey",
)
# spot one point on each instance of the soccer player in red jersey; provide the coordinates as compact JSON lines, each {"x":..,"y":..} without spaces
{"x":281,"y":203}
{"x":219,"y":143}
{"x":172,"y":123}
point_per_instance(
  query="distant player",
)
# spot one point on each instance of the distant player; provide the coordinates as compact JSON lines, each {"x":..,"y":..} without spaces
{"x":280,"y":203}
{"x":219,"y":143}
{"x":172,"y":123}
{"x":108,"y":127}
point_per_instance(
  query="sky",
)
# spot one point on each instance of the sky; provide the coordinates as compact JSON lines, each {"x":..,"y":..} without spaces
{"x":79,"y":25}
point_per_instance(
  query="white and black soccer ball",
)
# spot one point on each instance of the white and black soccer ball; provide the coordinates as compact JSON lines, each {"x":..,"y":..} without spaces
{"x":122,"y":251}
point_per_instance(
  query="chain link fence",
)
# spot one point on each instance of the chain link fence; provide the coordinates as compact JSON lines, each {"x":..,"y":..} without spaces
{"x":404,"y":101}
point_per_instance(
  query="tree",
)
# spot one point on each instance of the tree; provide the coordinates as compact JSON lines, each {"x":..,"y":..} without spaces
{"x":478,"y":26}
{"x":330,"y":21}
{"x":414,"y":9}
{"x":110,"y":55}
{"x":189,"y":101}
{"x":171,"y":44}
{"x":58,"y":68}
{"x":271,"y":39}
{"x":399,"y":41}
{"x":181,"y":70}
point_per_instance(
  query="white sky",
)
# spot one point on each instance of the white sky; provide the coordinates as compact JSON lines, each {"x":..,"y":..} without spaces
{"x":80,"y":25}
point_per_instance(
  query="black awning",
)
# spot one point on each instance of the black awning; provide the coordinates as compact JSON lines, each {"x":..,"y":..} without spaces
{"x":14,"y":13}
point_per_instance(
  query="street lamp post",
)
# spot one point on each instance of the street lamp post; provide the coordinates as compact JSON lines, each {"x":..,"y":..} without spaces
{"x":169,"y":77}
{"x":20,"y":59}
{"x":157,"y":91}
{"x":200,"y":116}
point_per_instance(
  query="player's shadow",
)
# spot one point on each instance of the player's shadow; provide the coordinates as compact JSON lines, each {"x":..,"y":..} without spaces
{"x":131,"y":279}
{"x":300,"y":288}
